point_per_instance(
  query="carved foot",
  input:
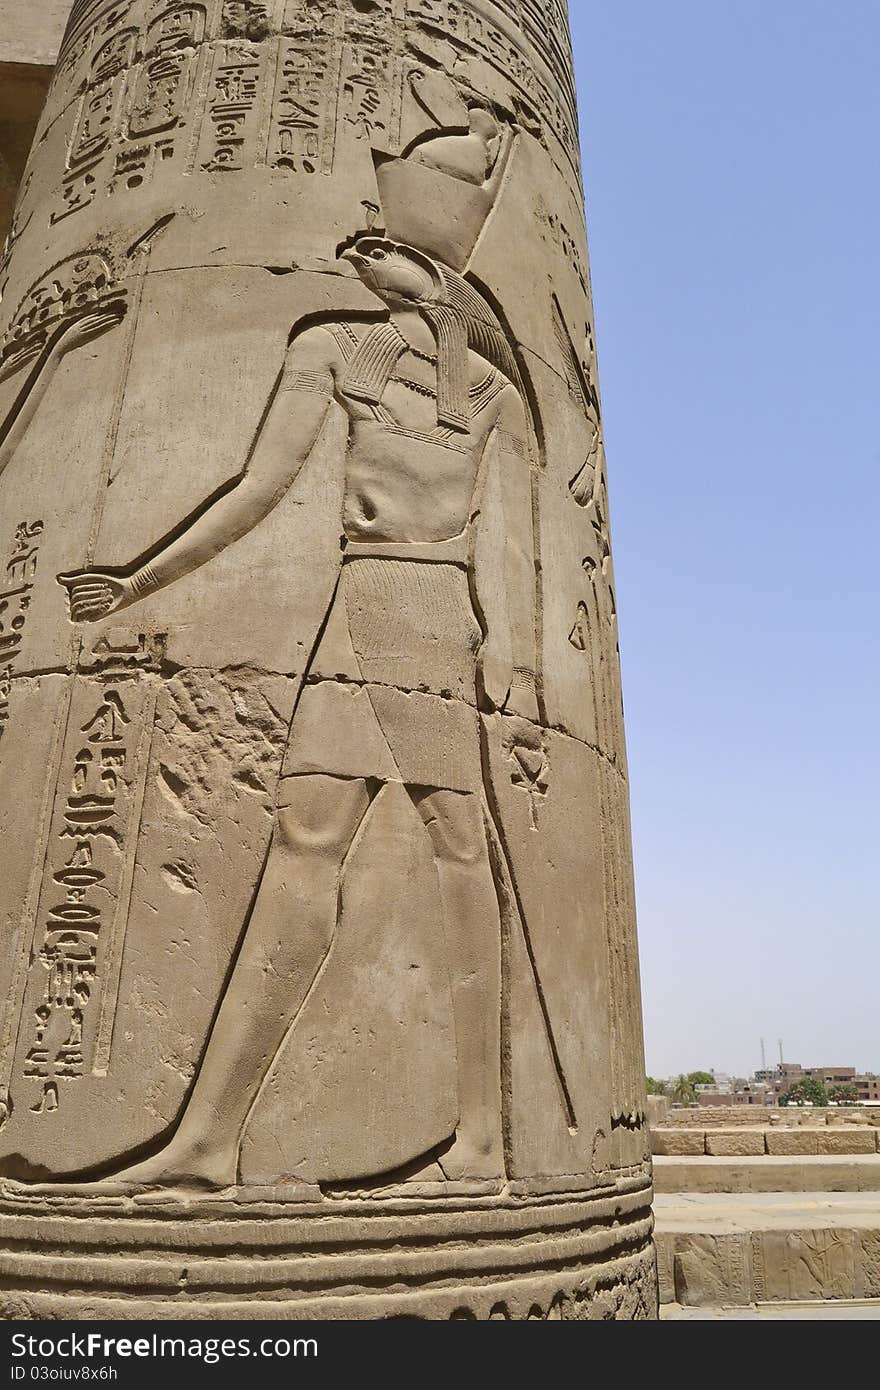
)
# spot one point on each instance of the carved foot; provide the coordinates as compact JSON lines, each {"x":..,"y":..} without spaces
{"x":182,"y":1166}
{"x":468,"y":1161}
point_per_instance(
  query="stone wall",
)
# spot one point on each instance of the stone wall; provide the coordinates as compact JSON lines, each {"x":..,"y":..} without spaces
{"x":741,"y":1142}
{"x":735,"y":1268}
{"x":754,"y":1116}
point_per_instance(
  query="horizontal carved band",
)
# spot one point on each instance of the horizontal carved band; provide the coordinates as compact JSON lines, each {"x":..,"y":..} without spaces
{"x":316,"y":383}
{"x":550,"y":1258}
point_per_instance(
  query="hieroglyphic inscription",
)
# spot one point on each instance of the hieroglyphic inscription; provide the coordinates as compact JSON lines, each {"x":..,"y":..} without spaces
{"x":84,"y":863}
{"x":322,"y":72}
{"x":511,"y":51}
{"x":302,"y":131}
{"x":91,"y":21}
{"x":138,"y":94}
{"x":84,"y":901}
{"x":570,"y":245}
{"x":368,"y":89}
{"x":620,"y":913}
{"x":97,"y":122}
{"x":233,"y":108}
{"x":15,"y":600}
{"x":545,"y":24}
{"x":247,"y":19}
{"x":84,"y":14}
{"x":117,"y":654}
{"x":161,"y":93}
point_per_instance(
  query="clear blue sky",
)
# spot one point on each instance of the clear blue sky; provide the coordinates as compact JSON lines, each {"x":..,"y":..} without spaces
{"x":733,"y":204}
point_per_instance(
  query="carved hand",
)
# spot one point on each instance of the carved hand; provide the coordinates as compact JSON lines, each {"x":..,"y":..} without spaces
{"x":497,"y":677}
{"x":90,"y":326}
{"x":523,"y":698}
{"x":92,"y":594}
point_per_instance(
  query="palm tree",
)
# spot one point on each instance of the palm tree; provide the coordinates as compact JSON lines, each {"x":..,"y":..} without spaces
{"x":683,"y":1092}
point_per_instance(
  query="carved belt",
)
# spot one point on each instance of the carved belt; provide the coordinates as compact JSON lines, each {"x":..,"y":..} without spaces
{"x":452,"y":552}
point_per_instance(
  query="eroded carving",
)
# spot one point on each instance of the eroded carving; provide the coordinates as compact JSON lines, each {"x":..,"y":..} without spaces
{"x":580,"y":377}
{"x":72,"y":303}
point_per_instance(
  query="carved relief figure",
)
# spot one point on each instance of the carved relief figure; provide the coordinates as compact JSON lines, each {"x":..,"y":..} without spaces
{"x":74,"y":304}
{"x":410,"y":652}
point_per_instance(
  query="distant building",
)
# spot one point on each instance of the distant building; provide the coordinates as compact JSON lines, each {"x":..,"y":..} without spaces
{"x":833,"y":1076}
{"x":789,"y":1071}
{"x":781,"y":1078}
{"x":734,"y":1091}
{"x":766,"y":1086}
{"x":721,"y":1086}
{"x":867,"y":1084}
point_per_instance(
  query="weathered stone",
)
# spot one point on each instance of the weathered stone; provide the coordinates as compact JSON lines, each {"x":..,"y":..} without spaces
{"x":737,"y":1144}
{"x":315,"y":861}
{"x":711,"y":1270}
{"x":658,"y":1110}
{"x":855,"y":1311}
{"x":868,"y":1281}
{"x":717,"y":1117}
{"x":758,"y":1116}
{"x":789,"y":1142}
{"x":847,"y":1141}
{"x":740,"y":1249}
{"x":666,"y":1267}
{"x":768,"y":1174}
{"x":684,"y":1143}
{"x":802,"y":1266}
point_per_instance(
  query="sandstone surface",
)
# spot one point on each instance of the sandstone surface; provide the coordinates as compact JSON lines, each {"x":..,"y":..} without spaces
{"x":315,"y":873}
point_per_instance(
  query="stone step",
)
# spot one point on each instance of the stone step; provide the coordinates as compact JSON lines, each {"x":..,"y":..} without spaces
{"x":825,"y":1173}
{"x":754,"y":1142}
{"x":846,"y":1310}
{"x":748,"y":1251}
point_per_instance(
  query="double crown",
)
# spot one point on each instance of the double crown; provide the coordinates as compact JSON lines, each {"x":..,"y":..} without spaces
{"x":439,"y":196}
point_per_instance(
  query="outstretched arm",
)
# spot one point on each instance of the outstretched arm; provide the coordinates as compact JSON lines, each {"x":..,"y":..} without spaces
{"x":68,"y":336}
{"x":287,"y":435}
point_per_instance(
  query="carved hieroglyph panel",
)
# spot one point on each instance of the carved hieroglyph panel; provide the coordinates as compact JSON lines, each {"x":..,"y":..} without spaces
{"x":313,"y":782}
{"x":804,"y":1266}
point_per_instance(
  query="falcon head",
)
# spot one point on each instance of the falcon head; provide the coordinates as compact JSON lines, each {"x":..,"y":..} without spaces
{"x":399,"y":275}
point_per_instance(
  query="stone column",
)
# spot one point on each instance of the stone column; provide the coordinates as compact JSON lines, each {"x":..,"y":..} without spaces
{"x":315,"y":873}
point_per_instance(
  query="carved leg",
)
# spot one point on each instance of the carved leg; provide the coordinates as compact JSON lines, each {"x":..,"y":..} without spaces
{"x":454,"y":821}
{"x":287,"y":939}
